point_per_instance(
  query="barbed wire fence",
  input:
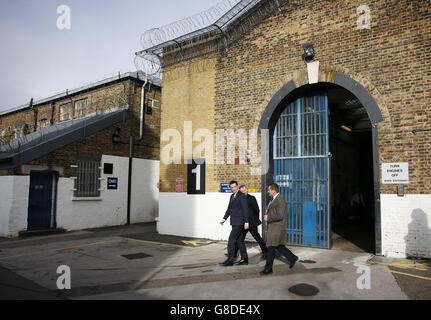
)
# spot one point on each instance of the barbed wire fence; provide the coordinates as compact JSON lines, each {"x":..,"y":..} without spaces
{"x":210,"y":31}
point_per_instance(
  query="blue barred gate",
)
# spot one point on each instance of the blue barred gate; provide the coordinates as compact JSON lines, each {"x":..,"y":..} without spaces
{"x":301,"y":169}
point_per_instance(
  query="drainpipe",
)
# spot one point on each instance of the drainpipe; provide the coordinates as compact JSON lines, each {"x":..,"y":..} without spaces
{"x":129,"y":183}
{"x":141,"y":136}
{"x":142,"y":117}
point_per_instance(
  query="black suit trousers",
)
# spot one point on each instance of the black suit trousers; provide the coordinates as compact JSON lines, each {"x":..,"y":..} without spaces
{"x":236,"y":238}
{"x":255,"y":233}
{"x":271,"y":255}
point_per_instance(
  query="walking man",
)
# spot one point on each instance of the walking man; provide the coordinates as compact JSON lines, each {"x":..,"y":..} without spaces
{"x":238,"y":212}
{"x":276,"y":235}
{"x":253,"y":216}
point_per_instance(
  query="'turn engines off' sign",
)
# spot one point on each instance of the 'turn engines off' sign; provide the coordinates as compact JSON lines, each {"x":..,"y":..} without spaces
{"x":395,"y":173}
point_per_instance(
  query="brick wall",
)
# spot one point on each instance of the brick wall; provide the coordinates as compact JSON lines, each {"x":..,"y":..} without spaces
{"x":391,"y":60}
{"x":189,"y":97}
{"x":112,"y":96}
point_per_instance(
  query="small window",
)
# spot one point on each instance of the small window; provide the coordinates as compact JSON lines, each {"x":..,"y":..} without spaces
{"x":87,"y":182}
{"x":155,"y":103}
{"x":80,"y":108}
{"x":44,"y":123}
{"x":66,"y":111}
{"x":20,"y":130}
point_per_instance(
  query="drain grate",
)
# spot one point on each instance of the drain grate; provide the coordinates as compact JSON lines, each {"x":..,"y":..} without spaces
{"x":134,"y":256}
{"x":304,"y":290}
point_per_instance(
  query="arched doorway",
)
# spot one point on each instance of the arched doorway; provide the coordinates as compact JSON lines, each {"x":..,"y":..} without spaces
{"x":323,"y":154}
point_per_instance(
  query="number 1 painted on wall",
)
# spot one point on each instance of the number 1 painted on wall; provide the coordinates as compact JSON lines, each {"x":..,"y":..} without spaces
{"x":197,"y":171}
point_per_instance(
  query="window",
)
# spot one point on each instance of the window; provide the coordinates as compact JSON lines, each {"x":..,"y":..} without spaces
{"x":20,"y":130}
{"x":66,"y":111}
{"x":155,"y":103}
{"x":80,"y":108}
{"x":87,"y":180}
{"x":44,"y":123}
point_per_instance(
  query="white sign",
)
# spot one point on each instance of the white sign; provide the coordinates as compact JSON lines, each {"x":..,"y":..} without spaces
{"x":395,"y":173}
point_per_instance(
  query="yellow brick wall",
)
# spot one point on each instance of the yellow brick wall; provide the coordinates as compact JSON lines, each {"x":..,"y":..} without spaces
{"x":391,"y":60}
{"x":188,"y":95}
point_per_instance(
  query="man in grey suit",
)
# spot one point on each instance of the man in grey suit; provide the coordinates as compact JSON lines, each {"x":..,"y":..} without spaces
{"x":276,"y":235}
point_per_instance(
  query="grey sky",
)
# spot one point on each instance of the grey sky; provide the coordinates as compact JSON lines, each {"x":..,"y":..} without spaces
{"x":39,"y":60}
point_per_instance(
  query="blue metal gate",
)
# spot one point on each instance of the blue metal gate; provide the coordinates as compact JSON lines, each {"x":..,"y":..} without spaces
{"x":301,"y":169}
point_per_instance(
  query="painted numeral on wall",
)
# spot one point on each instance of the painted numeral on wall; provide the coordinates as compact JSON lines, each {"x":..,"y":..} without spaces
{"x":197,"y":171}
{"x":196,"y":176}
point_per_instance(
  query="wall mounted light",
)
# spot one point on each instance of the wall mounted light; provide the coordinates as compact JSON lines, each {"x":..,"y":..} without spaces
{"x":309,"y":53}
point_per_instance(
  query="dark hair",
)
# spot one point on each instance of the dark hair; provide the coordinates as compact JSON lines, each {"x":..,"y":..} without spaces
{"x":242,"y":186}
{"x":233,"y":182}
{"x":273,"y":186}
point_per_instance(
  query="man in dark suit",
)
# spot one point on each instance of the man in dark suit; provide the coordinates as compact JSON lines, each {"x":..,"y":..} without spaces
{"x":238,"y":212}
{"x":276,"y":235}
{"x":253,"y":216}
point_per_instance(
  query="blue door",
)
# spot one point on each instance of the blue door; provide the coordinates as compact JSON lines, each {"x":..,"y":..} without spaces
{"x":41,"y":203}
{"x":301,"y":169}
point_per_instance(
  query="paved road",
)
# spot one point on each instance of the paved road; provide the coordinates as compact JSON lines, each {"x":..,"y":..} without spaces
{"x":134,"y":262}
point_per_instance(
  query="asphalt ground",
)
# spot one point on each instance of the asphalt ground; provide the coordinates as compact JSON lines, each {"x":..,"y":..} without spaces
{"x":134,"y":262}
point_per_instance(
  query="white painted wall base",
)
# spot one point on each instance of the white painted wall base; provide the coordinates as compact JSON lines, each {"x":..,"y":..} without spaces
{"x":406,"y":225}
{"x":109,"y":209}
{"x":195,"y":216}
{"x":13,"y":204}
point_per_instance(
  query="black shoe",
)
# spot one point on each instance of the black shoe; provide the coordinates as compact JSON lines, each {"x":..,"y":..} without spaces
{"x":292,"y":263}
{"x":227,"y":263}
{"x":242,"y":262}
{"x":265,"y":272}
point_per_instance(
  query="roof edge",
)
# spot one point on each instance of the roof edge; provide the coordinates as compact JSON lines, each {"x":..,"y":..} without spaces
{"x":125,"y":76}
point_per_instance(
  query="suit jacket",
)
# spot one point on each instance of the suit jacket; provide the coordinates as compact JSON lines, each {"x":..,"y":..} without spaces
{"x":253,"y":211}
{"x":237,"y":210}
{"x":276,"y":234}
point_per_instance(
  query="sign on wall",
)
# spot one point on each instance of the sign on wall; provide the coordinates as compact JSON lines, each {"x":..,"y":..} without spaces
{"x":196,"y":177}
{"x":224,"y":187}
{"x":112,"y":183}
{"x":395,"y":173}
{"x":179,"y":185}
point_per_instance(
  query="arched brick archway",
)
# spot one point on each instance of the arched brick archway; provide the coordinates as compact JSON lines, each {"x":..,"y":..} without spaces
{"x":287,"y":93}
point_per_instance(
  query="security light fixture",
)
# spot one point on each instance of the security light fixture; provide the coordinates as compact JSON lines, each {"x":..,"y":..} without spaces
{"x":308,"y":55}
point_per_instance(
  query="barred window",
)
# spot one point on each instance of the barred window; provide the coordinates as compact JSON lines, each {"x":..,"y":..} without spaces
{"x":87,"y":180}
{"x":80,"y":108}
{"x":66,"y":111}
